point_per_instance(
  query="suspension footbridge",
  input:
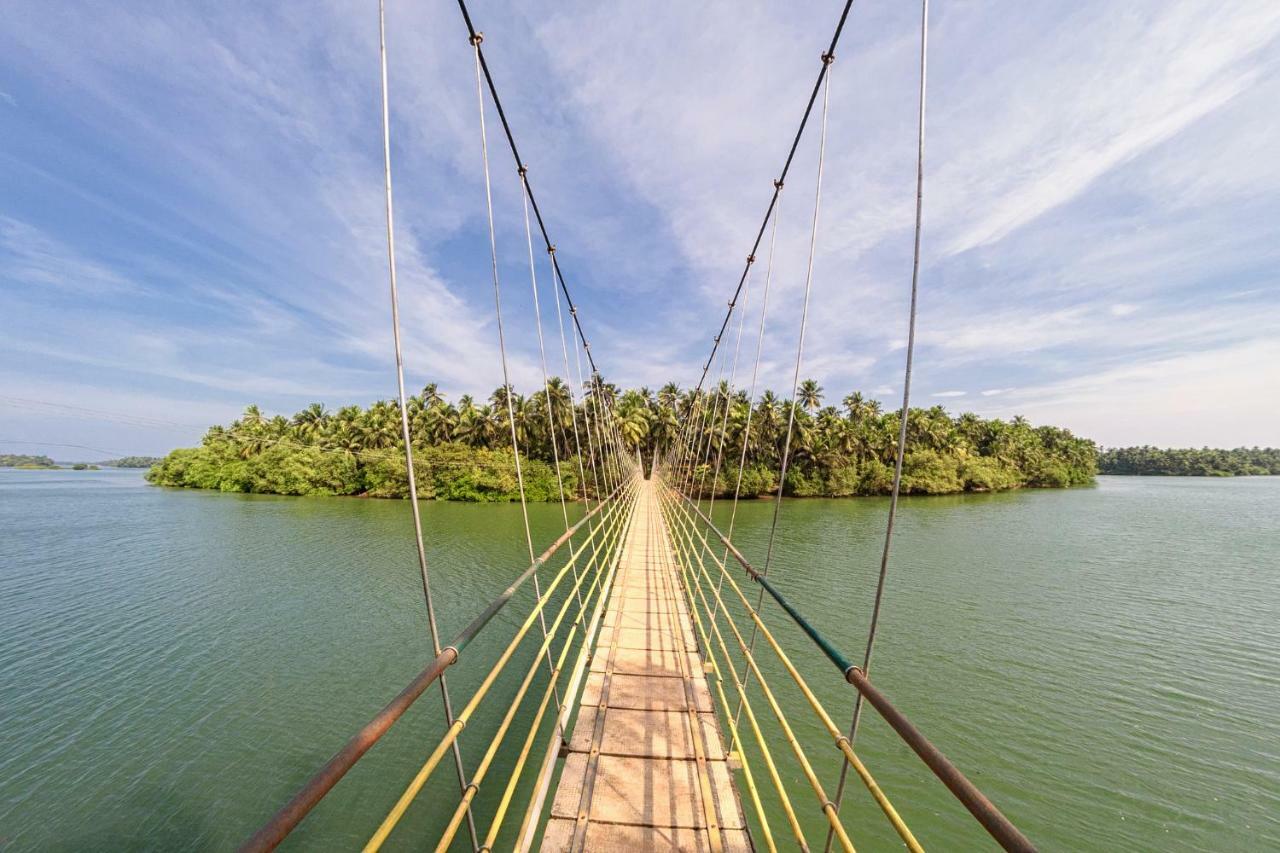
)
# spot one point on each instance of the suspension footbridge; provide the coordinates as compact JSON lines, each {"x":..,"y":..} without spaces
{"x":645,"y":698}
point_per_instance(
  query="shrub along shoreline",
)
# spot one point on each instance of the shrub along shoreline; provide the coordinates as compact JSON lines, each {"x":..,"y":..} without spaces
{"x":462,"y":451}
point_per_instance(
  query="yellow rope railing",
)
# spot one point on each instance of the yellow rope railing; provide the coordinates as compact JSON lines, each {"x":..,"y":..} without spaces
{"x":736,"y":739}
{"x":614,"y":517}
{"x":687,"y":530}
{"x":609,"y":565}
{"x":825,"y":803}
{"x":684,"y":548}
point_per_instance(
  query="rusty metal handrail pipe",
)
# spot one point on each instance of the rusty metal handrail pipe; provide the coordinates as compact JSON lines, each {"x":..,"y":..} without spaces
{"x":292,"y":813}
{"x":992,"y":819}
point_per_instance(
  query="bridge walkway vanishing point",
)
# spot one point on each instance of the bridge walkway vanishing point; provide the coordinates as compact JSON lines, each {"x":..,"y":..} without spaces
{"x":646,"y":766}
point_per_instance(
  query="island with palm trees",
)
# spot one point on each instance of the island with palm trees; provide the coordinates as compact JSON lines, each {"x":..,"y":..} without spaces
{"x":463,"y":450}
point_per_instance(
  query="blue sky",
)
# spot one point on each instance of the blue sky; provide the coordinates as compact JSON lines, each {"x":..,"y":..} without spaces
{"x":191,"y":206}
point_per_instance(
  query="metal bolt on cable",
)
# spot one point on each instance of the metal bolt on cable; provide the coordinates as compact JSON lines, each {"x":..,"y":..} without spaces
{"x":477,"y":38}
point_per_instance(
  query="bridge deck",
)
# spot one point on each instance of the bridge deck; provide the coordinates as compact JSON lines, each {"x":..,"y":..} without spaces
{"x":646,"y":766}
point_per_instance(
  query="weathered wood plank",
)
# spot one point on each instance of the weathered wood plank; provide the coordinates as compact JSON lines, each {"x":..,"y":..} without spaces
{"x":646,"y":753}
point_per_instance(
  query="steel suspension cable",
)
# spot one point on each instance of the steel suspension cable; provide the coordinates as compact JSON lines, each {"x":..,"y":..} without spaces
{"x":404,"y":409}
{"x":619,"y":513}
{"x":733,"y":375}
{"x":828,"y":809}
{"x":755,"y":374}
{"x":508,"y":391}
{"x":558,"y":275}
{"x":991,"y":818}
{"x":597,"y":465}
{"x":700,"y":449}
{"x":827,"y":59}
{"x":542,"y":352}
{"x":689,"y":529}
{"x":786,"y":168}
{"x":515,"y":154}
{"x":906,"y":393}
{"x":703,"y":404}
{"x":573,"y":406}
{"x":708,"y":429}
{"x":287,"y":818}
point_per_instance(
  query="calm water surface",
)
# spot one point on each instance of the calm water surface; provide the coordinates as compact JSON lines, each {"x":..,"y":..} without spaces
{"x":1102,"y":662}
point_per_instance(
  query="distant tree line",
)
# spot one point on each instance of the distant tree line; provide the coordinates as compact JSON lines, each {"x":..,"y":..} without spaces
{"x":850,"y":450}
{"x":1190,"y":461}
{"x":132,"y":462}
{"x":463,"y":451}
{"x":22,"y":460}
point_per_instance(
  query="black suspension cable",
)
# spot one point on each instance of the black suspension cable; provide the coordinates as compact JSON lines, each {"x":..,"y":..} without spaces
{"x":906,"y":399}
{"x":520,"y":164}
{"x":778,"y":183}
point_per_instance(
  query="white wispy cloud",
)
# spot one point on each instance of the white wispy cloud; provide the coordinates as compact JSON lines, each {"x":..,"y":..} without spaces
{"x":1099,"y":192}
{"x":30,"y":258}
{"x":1174,"y":401}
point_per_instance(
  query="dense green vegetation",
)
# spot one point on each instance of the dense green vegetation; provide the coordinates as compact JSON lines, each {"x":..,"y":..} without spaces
{"x":462,"y":450}
{"x":131,"y":462}
{"x":20,"y":460}
{"x":1190,"y":462}
{"x":850,"y":450}
{"x":84,"y":466}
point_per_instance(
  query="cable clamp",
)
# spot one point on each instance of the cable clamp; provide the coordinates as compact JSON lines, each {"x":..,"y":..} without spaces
{"x":573,"y":310}
{"x":551,"y":250}
{"x":751,"y":259}
{"x":523,"y":170}
{"x":477,"y":38}
{"x":471,"y":788}
{"x":828,"y":58}
{"x":777,"y":183}
{"x":845,"y":740}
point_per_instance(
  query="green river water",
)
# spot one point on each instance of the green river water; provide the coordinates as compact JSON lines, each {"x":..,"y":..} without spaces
{"x":1104,"y":662}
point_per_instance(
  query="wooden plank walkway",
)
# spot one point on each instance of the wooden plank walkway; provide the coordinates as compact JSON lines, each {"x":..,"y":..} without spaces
{"x":646,"y":767}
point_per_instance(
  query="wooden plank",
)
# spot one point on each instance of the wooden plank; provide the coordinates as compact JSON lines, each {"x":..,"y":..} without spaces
{"x":646,"y":765}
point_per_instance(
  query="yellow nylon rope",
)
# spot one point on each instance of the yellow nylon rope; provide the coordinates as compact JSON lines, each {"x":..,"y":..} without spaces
{"x":828,"y":809}
{"x":841,"y":741}
{"x":724,"y":703}
{"x":496,"y":742}
{"x":583,"y":653}
{"x":415,"y":785}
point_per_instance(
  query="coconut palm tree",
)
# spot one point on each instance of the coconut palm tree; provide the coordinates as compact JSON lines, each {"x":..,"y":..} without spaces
{"x":810,"y":395}
{"x":310,"y":422}
{"x":669,"y":395}
{"x":431,"y":395}
{"x":633,"y":423}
